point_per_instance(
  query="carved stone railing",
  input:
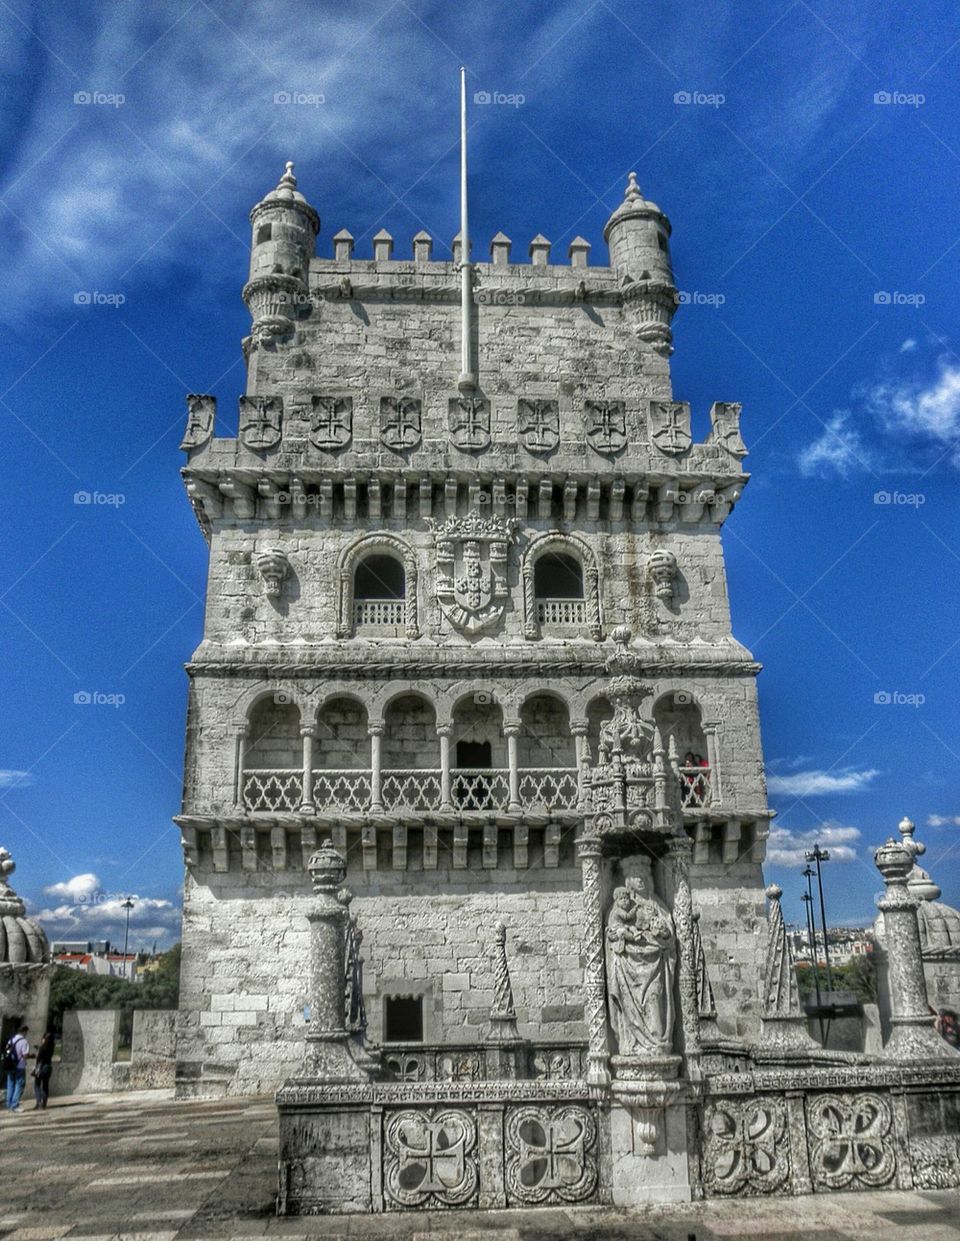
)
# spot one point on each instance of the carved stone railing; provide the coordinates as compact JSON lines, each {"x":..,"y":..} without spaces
{"x":696,"y":787}
{"x":480,"y":788}
{"x":428,"y":1062}
{"x":341,"y":789}
{"x":549,"y":788}
{"x":561,"y":612}
{"x":379,"y":613}
{"x":410,"y":789}
{"x":272,"y":789}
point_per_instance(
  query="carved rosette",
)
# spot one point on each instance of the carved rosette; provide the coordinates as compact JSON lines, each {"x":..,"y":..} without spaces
{"x":471,"y":556}
{"x":745,"y":1151}
{"x":430,"y":1158}
{"x":851,"y":1145}
{"x":550,"y":1155}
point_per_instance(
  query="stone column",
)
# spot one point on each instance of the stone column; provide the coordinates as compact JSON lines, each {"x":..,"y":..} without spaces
{"x":578,"y":729}
{"x":593,"y":602}
{"x":375,"y":733}
{"x":531,"y":629}
{"x":411,"y":628}
{"x":680,"y":850}
{"x":306,"y":804}
{"x":710,"y":733}
{"x":511,"y":730}
{"x":328,"y":1054}
{"x":444,"y":732}
{"x":912,"y":1035}
{"x":242,"y":737}
{"x":594,"y":978}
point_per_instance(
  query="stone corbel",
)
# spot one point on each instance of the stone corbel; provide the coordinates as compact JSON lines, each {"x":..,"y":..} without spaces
{"x":666,"y":499}
{"x":243,"y":496}
{"x":273,"y":567}
{"x":662,"y":573}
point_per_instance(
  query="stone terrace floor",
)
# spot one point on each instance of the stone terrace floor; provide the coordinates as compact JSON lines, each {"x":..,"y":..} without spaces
{"x":141,"y":1166}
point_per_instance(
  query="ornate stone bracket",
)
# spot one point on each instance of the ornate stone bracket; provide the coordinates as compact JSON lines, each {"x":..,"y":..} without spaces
{"x":273,"y":567}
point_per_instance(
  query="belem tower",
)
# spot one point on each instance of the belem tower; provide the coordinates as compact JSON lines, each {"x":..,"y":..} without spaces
{"x":474,"y":813}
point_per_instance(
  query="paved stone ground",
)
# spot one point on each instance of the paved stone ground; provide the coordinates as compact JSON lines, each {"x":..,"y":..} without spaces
{"x":139,"y":1166}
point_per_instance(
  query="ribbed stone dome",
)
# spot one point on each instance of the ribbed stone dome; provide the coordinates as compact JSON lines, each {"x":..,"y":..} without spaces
{"x":939,"y":927}
{"x":22,"y":942}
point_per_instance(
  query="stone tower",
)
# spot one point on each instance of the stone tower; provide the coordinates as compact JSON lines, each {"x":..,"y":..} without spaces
{"x":476,"y":638}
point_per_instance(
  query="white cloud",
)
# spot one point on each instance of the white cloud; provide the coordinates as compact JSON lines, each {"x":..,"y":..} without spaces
{"x":86,"y":911}
{"x":838,"y":450}
{"x":79,"y":888}
{"x":926,"y":408}
{"x":943,"y":820}
{"x":789,"y":848}
{"x":15,"y":779}
{"x":818,"y":783}
{"x":908,"y":345}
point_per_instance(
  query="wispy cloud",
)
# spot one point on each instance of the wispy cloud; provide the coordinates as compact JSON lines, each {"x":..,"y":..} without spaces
{"x":787,"y":847}
{"x":943,"y":820}
{"x":87,"y":911}
{"x":927,"y":408}
{"x":840,"y":449}
{"x":15,"y":779}
{"x":817,"y":783}
{"x":79,"y":888}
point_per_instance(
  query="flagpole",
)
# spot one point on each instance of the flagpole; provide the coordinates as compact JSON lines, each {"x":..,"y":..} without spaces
{"x":468,"y":377}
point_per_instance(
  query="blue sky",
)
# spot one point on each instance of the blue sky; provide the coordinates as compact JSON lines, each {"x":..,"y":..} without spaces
{"x":812,"y":182}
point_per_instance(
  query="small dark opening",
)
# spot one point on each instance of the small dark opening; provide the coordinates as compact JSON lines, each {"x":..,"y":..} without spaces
{"x":264,"y":233}
{"x":380,"y":577}
{"x":474,"y":754}
{"x":403,"y":1019}
{"x":661,"y":241}
{"x":558,"y":576}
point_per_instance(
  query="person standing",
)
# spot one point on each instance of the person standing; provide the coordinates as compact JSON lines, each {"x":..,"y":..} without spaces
{"x":42,"y":1070}
{"x":15,"y":1059}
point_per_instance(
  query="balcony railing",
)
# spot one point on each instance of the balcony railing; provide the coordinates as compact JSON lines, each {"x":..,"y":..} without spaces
{"x":379,"y":613}
{"x":561,"y":612}
{"x":696,"y":788}
{"x":410,"y":789}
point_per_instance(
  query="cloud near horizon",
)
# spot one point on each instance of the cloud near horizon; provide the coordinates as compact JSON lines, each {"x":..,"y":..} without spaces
{"x":787,"y":847}
{"x":817,"y":783}
{"x":87,"y":911}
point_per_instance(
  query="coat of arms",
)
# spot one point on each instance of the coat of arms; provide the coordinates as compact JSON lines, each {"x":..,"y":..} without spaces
{"x":670,"y":426}
{"x":725,"y":428}
{"x":472,"y":569}
{"x":470,"y":422}
{"x":606,"y":426}
{"x":260,"y":420}
{"x":201,"y":411}
{"x":331,"y":422}
{"x":400,"y":426}
{"x":538,"y":424}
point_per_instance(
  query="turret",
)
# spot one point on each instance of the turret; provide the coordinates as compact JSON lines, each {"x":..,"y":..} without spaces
{"x":638,"y":237}
{"x":285,"y":227}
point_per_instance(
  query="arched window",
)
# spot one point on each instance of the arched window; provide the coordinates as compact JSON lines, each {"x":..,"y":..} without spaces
{"x":558,"y":588}
{"x":379,"y":592}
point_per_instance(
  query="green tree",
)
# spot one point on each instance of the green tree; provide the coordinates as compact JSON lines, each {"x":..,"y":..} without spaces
{"x":70,"y":989}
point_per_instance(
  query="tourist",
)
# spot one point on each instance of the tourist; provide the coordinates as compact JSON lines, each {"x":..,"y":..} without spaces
{"x":15,"y":1063}
{"x":947,"y":1025}
{"x":42,"y":1070}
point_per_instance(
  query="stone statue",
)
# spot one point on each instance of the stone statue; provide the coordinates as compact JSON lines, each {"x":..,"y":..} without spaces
{"x":641,"y":956}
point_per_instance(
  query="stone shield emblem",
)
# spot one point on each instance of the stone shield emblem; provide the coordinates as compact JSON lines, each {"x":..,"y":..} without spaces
{"x":670,"y":426}
{"x":538,"y":424}
{"x":260,"y":421}
{"x":605,"y":426}
{"x":201,"y":411}
{"x":725,"y":428}
{"x":331,"y":422}
{"x":400,"y":422}
{"x":470,"y":423}
{"x":471,"y":569}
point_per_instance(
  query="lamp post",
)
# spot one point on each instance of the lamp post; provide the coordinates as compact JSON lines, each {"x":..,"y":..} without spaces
{"x":819,"y":855}
{"x":128,"y":904}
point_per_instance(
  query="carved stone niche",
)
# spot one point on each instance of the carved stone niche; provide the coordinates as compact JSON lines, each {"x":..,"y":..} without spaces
{"x":273,"y":567}
{"x":662,"y":573}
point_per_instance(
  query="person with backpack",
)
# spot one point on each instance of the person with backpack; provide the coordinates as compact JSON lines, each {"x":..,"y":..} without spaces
{"x":15,"y":1062}
{"x":42,"y":1070}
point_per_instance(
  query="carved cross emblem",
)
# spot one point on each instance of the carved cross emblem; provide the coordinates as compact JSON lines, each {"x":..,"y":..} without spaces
{"x":400,"y":425}
{"x":429,"y":1157}
{"x":670,"y":426}
{"x":538,"y":423}
{"x":470,"y":422}
{"x":725,"y":428}
{"x":850,"y":1143}
{"x":606,"y":426}
{"x":549,"y":1154}
{"x":558,"y":1154}
{"x":260,"y":419}
{"x":331,"y":423}
{"x":201,"y":411}
{"x":744,"y":1145}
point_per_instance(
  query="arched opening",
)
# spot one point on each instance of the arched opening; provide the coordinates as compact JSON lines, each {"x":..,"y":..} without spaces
{"x":558,"y":590}
{"x":480,"y":780}
{"x":410,"y":777}
{"x":678,"y":716}
{"x":272,"y":774}
{"x":598,"y":712}
{"x":546,"y":755}
{"x":379,"y":592}
{"x":341,"y":756}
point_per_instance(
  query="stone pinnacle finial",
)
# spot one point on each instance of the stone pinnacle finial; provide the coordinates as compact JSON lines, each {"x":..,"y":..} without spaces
{"x":288,"y":178}
{"x":633,"y":189}
{"x":7,"y":865}
{"x":503,"y":1014}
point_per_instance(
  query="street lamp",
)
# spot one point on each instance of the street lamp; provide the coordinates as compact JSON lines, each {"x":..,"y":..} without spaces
{"x":128,"y":904}
{"x":819,"y":855}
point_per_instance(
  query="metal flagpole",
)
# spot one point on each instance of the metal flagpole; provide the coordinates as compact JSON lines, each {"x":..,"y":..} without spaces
{"x":468,"y":376}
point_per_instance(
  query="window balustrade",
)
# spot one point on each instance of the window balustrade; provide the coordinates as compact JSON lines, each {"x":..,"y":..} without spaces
{"x":379,"y":613}
{"x":561,"y":612}
{"x":696,"y":788}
